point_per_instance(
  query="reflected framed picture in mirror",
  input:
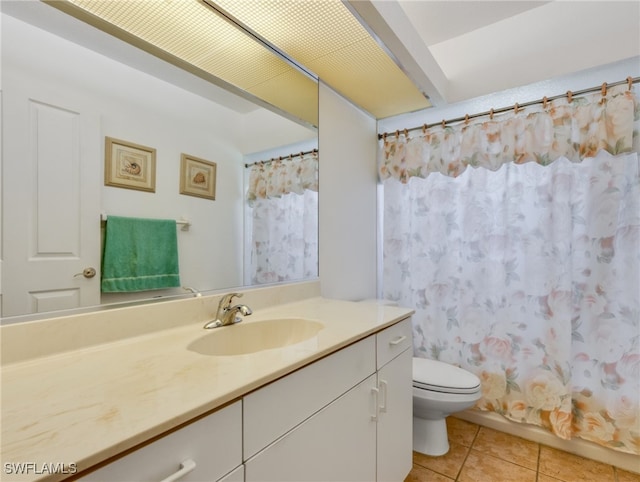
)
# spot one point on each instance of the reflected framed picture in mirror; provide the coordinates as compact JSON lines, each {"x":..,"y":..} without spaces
{"x":129,"y":165}
{"x":197,"y":177}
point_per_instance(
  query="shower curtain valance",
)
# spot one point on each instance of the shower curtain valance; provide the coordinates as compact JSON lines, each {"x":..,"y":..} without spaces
{"x":575,"y":128}
{"x":273,"y":179}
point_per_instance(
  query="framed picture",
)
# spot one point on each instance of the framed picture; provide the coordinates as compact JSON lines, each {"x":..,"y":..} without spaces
{"x":197,"y":177}
{"x":129,"y":165}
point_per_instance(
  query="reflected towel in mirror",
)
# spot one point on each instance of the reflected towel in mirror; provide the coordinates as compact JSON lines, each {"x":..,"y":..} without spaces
{"x":139,"y":254}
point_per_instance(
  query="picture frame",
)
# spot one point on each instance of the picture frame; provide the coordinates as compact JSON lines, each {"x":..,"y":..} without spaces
{"x":129,"y":166}
{"x":197,"y":177}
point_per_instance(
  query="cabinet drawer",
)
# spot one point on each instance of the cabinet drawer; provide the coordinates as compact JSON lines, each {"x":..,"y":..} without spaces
{"x":392,"y":341}
{"x":214,"y":443}
{"x":294,"y":398}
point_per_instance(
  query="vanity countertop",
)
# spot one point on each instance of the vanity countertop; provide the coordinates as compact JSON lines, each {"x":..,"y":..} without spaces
{"x":84,"y":406}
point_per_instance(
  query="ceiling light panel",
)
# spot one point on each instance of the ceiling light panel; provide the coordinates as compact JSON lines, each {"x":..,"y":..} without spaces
{"x":191,"y":32}
{"x":325,"y":37}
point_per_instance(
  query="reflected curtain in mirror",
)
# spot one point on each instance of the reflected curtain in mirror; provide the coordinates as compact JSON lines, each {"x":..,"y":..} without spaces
{"x":282,"y":219}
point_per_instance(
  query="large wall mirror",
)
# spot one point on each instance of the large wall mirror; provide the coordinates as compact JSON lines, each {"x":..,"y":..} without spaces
{"x":70,"y":81}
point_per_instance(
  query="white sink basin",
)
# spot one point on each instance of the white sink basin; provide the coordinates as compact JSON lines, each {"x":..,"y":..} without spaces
{"x":243,"y":338}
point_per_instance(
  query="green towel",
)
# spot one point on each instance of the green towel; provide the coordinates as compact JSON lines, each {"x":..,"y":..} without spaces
{"x":140,"y":254}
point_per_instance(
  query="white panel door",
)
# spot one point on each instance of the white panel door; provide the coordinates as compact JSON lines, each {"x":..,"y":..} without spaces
{"x":51,"y":199}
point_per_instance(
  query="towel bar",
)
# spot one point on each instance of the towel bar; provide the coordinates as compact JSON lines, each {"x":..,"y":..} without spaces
{"x":185,"y":223}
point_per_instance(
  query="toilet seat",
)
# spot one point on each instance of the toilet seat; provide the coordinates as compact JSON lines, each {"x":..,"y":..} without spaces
{"x":441,"y":377}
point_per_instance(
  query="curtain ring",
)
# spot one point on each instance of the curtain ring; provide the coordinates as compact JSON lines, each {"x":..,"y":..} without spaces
{"x":491,"y":114}
{"x":384,"y":136}
{"x":466,"y":119}
{"x":629,"y":82}
{"x":544,"y":102}
{"x":397,"y":134}
{"x":569,"y":96}
{"x":406,"y":133}
{"x":424,"y":128}
{"x":444,"y":123}
{"x":516,"y":108}
{"x":603,"y":90}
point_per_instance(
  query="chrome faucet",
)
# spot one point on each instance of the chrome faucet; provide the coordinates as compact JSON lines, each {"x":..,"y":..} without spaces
{"x":227,"y":314}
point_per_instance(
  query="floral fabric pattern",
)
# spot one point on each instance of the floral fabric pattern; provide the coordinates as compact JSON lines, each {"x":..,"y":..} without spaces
{"x":528,"y":277}
{"x":574,"y":130}
{"x":526,"y":271}
{"x":273,"y":179}
{"x":282,"y":207}
{"x":284,"y":244}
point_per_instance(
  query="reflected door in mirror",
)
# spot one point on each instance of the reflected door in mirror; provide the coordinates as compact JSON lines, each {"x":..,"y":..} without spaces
{"x":51,"y":200}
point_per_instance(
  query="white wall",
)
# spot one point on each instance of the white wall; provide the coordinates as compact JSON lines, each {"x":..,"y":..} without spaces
{"x":347,"y":199}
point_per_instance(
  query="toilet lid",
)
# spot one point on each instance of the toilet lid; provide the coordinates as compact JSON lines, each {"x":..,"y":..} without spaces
{"x":442,"y":377}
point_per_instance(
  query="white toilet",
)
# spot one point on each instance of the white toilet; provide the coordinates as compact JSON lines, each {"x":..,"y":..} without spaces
{"x":439,"y":389}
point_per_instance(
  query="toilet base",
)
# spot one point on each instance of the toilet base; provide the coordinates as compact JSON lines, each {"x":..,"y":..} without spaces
{"x":430,"y":436}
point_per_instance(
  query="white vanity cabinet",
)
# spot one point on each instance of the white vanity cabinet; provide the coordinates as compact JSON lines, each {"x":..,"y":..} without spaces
{"x":345,"y":417}
{"x":395,"y":405}
{"x":213,"y":444}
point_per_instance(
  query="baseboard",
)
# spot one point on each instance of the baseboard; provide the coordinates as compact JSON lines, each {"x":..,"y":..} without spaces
{"x":579,"y":447}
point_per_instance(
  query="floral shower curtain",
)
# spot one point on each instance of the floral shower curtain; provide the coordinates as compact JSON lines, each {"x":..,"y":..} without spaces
{"x":283,"y":217}
{"x":527,"y":273}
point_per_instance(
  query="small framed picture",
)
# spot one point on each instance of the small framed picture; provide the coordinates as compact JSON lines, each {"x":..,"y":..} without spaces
{"x":129,"y":165}
{"x":197,"y":177}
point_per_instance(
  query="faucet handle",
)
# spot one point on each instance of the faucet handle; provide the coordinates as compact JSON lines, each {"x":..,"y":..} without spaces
{"x":227,"y":299}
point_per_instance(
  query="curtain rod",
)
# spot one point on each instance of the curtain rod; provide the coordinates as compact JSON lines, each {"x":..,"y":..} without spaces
{"x":281,"y":158}
{"x":603,"y":88}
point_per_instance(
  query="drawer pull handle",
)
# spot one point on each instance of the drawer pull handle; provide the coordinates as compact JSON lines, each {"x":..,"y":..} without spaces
{"x":397,"y":340}
{"x":185,"y":467}
{"x":375,"y":392}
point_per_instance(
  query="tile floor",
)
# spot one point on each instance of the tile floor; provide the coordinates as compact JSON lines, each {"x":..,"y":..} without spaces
{"x":480,"y":454}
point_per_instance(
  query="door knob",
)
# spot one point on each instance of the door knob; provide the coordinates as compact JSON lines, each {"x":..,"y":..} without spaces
{"x":87,"y":273}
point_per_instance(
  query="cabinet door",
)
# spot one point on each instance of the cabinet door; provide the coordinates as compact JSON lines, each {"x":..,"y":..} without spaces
{"x":336,"y":444}
{"x":270,"y":412}
{"x":214,"y":443}
{"x":395,"y":420}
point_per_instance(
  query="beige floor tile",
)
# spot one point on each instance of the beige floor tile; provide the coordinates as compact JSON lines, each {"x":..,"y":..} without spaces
{"x":422,"y":474}
{"x":626,"y":476}
{"x":507,"y":447}
{"x":461,"y":431}
{"x":448,"y":464}
{"x":498,"y":457}
{"x":570,"y":468}
{"x":480,"y":467}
